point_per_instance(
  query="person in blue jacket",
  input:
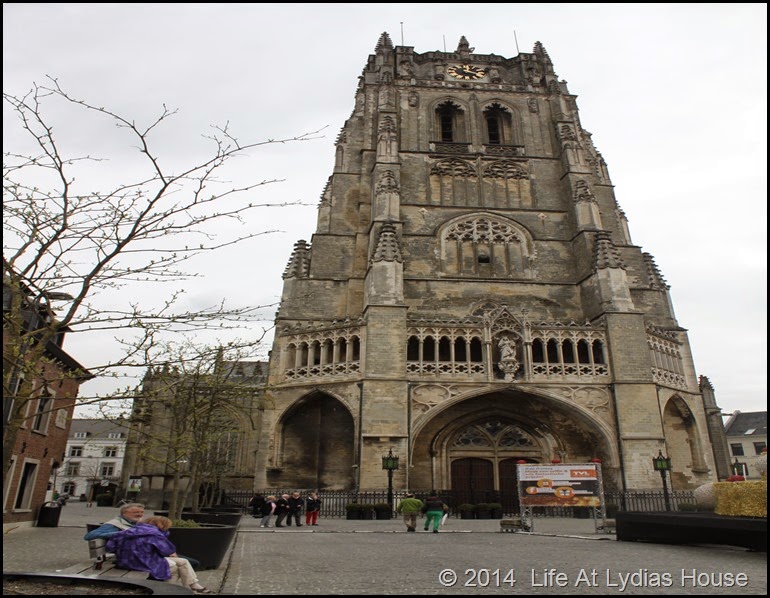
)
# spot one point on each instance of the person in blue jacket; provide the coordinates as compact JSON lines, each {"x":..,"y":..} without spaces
{"x":130,"y":515}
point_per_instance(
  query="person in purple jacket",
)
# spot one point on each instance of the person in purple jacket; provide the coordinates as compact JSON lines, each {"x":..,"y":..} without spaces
{"x":146,"y":547}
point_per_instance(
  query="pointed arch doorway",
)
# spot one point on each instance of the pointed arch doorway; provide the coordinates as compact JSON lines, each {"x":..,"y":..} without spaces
{"x":483,"y":458}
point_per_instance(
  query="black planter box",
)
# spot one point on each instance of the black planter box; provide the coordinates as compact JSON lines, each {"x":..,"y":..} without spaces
{"x":692,"y":528}
{"x":208,"y":544}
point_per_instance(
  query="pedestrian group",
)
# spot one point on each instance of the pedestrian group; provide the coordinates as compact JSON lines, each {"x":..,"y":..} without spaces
{"x":287,"y":507}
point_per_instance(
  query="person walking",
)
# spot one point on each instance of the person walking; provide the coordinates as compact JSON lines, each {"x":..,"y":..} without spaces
{"x":257,"y":504}
{"x":267,"y":511}
{"x":410,"y":507}
{"x":312,"y":509}
{"x":434,"y":510}
{"x":146,"y":547}
{"x":296,"y":504}
{"x":281,"y":509}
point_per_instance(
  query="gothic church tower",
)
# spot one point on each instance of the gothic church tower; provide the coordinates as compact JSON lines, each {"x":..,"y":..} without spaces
{"x":471,"y":297}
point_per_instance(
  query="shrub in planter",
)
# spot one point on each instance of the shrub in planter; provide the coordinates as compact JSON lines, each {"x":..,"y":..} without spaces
{"x":184,"y":523}
{"x":467,"y":511}
{"x":353,"y":511}
{"x":383,"y":510}
{"x":483,"y":511}
{"x":208,"y":517}
{"x":367,"y":511}
{"x":496,"y":510}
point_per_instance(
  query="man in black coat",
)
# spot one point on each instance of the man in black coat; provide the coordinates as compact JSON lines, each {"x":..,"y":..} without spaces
{"x":281,"y":510}
{"x":296,"y":504}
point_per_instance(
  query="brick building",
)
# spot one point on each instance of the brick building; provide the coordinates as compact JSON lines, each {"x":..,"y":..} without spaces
{"x":471,"y":297}
{"x":40,"y":443}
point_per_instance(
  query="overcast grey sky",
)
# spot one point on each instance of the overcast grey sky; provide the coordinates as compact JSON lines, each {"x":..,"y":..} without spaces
{"x":675,"y":96}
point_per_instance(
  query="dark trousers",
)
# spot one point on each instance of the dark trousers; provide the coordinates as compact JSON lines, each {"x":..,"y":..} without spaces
{"x":296,"y":515}
{"x":280,"y":517}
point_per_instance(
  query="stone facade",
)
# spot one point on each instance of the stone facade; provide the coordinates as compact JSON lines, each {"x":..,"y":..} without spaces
{"x":471,"y":297}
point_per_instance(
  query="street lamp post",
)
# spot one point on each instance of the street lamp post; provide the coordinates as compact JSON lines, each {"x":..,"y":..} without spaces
{"x":55,"y":467}
{"x":390,"y":463}
{"x":663,"y":464}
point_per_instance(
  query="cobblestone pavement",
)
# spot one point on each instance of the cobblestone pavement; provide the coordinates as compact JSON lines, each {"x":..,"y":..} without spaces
{"x":562,"y":556}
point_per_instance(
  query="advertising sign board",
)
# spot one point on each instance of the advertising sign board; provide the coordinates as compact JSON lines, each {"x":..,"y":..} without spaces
{"x":562,"y":485}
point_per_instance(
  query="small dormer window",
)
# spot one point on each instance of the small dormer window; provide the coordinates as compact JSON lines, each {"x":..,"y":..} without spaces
{"x":81,"y":434}
{"x":115,"y":435}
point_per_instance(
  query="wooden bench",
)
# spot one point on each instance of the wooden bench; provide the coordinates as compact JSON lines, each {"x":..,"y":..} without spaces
{"x":108,"y":570}
{"x":102,"y":563}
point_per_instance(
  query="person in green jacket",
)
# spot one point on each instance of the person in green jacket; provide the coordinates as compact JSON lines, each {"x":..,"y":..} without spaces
{"x":434,"y":511}
{"x":409,"y":506}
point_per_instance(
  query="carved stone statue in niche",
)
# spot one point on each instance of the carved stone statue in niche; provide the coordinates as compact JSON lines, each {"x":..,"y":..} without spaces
{"x":508,"y":363}
{"x":386,"y":142}
{"x":406,"y":69}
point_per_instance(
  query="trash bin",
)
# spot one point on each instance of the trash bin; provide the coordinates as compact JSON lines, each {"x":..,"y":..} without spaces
{"x":49,"y":515}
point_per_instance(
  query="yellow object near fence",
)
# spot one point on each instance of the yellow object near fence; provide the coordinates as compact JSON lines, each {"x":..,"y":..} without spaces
{"x":744,"y":499}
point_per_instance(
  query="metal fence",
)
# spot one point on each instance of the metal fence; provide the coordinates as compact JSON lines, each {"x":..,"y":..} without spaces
{"x":652,"y":500}
{"x":333,"y":502}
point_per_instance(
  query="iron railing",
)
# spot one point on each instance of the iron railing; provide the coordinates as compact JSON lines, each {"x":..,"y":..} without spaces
{"x":652,"y":500}
{"x":333,"y":502}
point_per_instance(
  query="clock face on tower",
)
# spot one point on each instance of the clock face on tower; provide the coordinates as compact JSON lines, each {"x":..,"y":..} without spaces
{"x":466,"y":72}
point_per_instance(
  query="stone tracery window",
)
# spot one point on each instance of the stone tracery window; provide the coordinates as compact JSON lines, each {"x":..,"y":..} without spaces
{"x":485,"y":246}
{"x":450,"y":123}
{"x":499,"y":125}
{"x":667,"y":365}
{"x":493,"y":434}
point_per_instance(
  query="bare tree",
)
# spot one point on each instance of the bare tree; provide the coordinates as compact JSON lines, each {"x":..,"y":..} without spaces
{"x":187,"y":422}
{"x":70,"y":234}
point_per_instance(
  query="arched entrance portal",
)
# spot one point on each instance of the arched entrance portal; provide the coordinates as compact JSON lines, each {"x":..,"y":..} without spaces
{"x":472,"y":446}
{"x":317,"y":445}
{"x":490,"y":476}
